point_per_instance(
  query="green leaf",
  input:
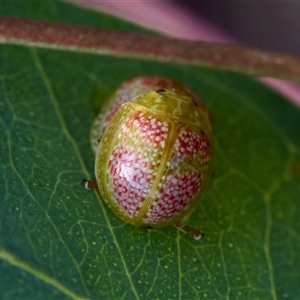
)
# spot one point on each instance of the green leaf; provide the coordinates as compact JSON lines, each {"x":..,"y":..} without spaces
{"x":59,"y":241}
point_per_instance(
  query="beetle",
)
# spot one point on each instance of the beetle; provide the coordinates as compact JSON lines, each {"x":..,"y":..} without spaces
{"x":153,"y":144}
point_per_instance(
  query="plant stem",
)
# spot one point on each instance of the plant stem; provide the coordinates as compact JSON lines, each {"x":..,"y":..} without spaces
{"x":151,"y":47}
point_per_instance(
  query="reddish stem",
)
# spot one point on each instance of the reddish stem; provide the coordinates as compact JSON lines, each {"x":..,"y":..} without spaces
{"x":151,"y":47}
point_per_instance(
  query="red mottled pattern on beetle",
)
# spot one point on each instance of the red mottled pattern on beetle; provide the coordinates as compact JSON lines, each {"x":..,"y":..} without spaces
{"x":150,"y":128}
{"x":174,"y":195}
{"x":131,"y":179}
{"x":190,"y":143}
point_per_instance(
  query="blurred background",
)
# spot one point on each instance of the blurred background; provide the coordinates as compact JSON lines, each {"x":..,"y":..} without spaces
{"x":271,"y":25}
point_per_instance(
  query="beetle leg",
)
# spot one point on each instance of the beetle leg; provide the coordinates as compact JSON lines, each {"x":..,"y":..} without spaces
{"x":195,"y":233}
{"x":89,"y":184}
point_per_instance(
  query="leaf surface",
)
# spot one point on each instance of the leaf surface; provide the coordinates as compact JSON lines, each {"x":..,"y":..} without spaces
{"x":59,"y":241}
